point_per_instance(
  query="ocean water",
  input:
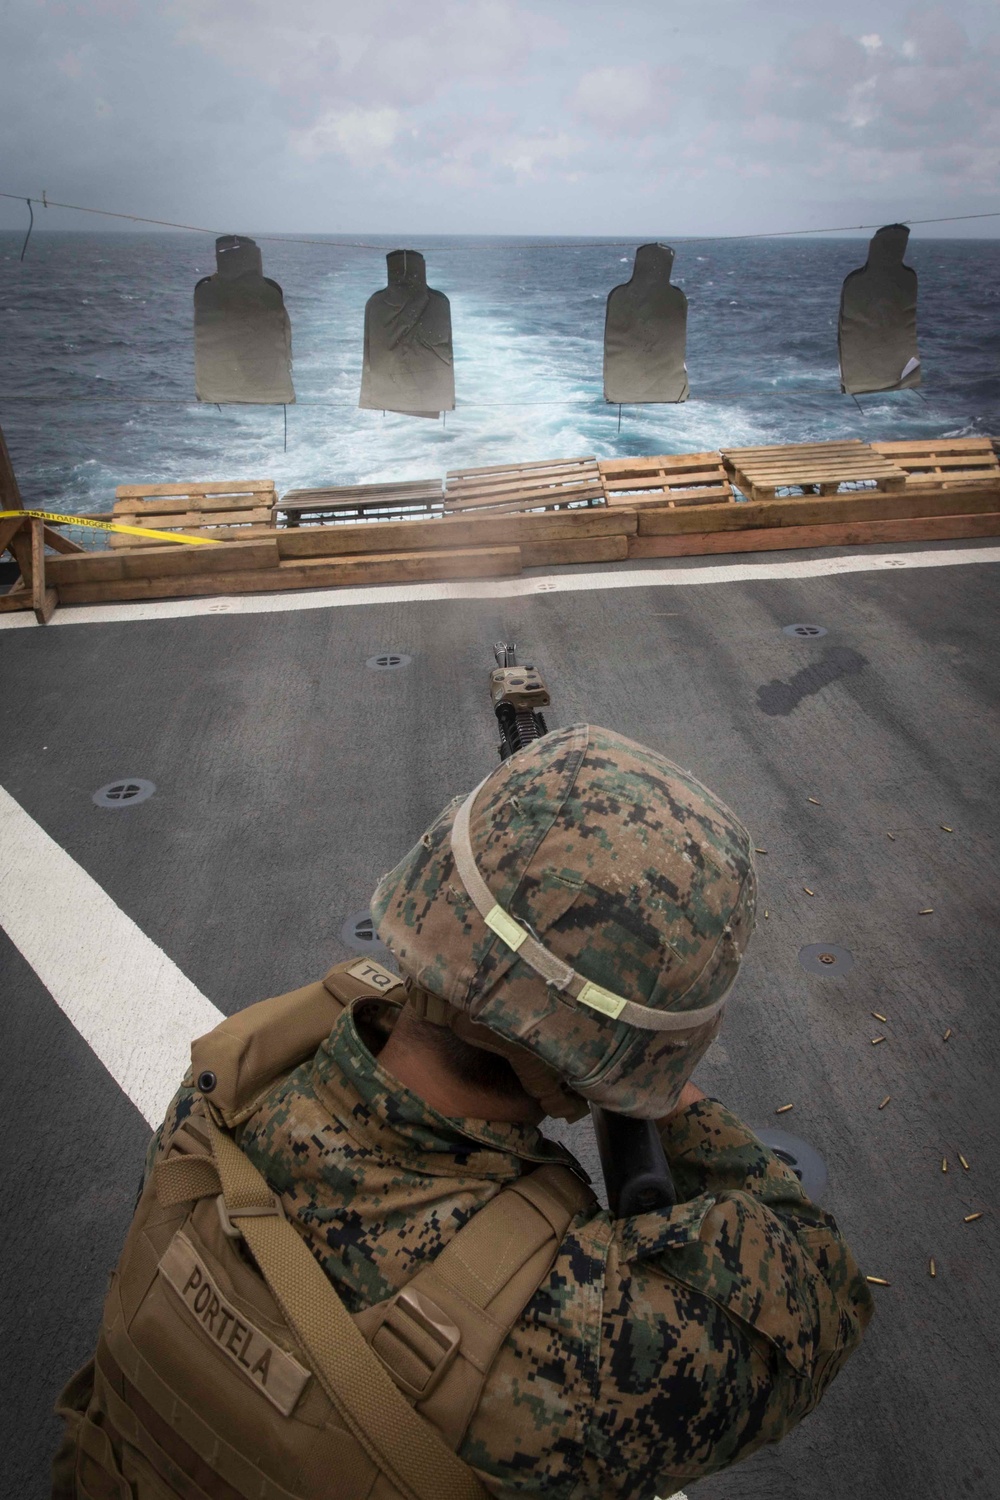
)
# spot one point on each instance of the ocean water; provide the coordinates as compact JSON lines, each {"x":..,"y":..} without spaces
{"x":97,"y":359}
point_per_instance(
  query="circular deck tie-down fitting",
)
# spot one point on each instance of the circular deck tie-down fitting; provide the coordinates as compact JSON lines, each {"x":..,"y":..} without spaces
{"x":828,"y":960}
{"x":358,"y":932}
{"x":804,"y":632}
{"x":804,"y":1160}
{"x":388,"y":661}
{"x":127,"y":791}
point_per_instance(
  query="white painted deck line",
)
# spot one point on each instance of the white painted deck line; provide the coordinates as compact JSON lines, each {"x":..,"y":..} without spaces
{"x":126,"y":998}
{"x":686,"y":572}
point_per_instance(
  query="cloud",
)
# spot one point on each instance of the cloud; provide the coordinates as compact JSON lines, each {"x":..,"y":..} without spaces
{"x":384,"y":53}
{"x":935,"y":37}
{"x":361,"y":136}
{"x":529,"y":155}
{"x":481,"y":115}
{"x":893,"y":105}
{"x":628,"y":99}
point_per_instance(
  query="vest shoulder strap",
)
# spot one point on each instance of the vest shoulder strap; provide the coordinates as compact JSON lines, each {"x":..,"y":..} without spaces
{"x":248,"y":1052}
{"x":440,"y":1334}
{"x":404,"y":1446}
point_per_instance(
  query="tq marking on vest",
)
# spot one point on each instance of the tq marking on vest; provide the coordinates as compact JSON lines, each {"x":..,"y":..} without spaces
{"x":374,"y":974}
{"x":271,"y":1369}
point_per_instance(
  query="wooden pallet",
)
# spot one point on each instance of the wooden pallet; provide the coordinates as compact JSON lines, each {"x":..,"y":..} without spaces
{"x":945,"y":462}
{"x":822,"y":512}
{"x":546,"y":538}
{"x":817,"y":467}
{"x":534,"y":486}
{"x":839,"y":534}
{"x":508,"y":518}
{"x":238,"y":569}
{"x":669,"y":479}
{"x":225,"y":510}
{"x":407,"y":500}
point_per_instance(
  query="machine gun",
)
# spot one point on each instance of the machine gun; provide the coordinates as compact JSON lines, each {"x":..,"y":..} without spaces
{"x":636,"y":1173}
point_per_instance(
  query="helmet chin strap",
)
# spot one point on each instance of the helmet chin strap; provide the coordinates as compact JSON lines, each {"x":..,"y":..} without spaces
{"x":553,"y":970}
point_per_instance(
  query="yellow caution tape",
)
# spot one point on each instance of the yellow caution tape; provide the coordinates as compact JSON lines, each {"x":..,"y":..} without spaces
{"x":162,"y":536}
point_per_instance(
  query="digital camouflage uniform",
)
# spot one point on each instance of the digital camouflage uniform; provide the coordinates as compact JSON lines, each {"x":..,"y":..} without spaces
{"x":659,"y":1348}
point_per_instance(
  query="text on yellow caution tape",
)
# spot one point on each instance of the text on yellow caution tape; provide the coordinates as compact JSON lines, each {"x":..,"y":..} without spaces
{"x":162,"y":536}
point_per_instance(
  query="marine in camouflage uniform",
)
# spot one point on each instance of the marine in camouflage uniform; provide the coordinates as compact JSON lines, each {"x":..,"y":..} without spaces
{"x":659,"y":1348}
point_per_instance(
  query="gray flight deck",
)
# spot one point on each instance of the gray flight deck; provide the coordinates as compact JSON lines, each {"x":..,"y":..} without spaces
{"x":289,"y":776}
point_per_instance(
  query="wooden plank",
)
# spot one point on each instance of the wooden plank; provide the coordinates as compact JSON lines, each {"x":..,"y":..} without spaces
{"x":779,"y":459}
{"x":851,"y":445}
{"x":209,"y":487}
{"x":524,"y":501}
{"x":664,"y":481}
{"x":616,"y":468}
{"x":859,"y":468}
{"x":791,"y":477}
{"x":15,"y":600}
{"x":454,"y":531}
{"x":473,"y":562}
{"x":417,"y":489}
{"x":935,"y":445}
{"x":955,"y":477}
{"x":185,"y":506}
{"x":842,"y":534}
{"x":769,"y":491}
{"x":43,"y":597}
{"x":502,"y":488}
{"x":987,"y":460}
{"x":179,"y":516}
{"x":788,"y":480}
{"x":58,"y":542}
{"x":10,"y":493}
{"x":811,"y":510}
{"x":575,"y":550}
{"x":710,"y":495}
{"x":8,"y":530}
{"x":545,"y":463}
{"x":20,"y":545}
{"x":164,"y":561}
{"x":216,"y":534}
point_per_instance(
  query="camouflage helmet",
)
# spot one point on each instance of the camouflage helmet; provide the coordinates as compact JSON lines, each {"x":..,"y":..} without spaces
{"x":583,"y":912}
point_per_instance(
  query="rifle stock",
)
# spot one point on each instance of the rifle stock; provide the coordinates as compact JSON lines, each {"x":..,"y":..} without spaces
{"x":636,"y":1172}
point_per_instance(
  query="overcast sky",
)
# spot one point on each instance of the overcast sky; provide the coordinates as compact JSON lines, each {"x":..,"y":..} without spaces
{"x":631,"y":117}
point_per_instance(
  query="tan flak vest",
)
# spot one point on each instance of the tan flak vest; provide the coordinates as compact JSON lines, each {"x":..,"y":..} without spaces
{"x":227,"y":1366}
